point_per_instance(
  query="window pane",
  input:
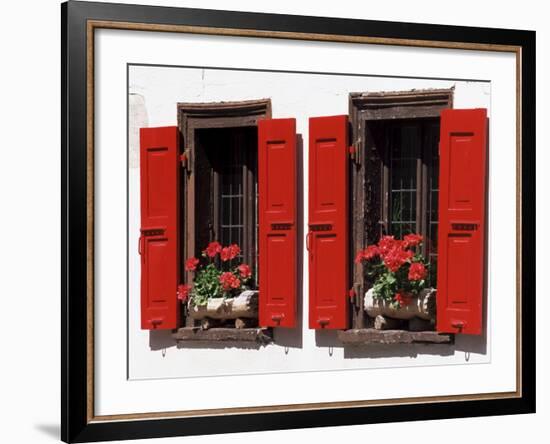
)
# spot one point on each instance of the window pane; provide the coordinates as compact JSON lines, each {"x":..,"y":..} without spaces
{"x":231,"y":193}
{"x":404,"y":155}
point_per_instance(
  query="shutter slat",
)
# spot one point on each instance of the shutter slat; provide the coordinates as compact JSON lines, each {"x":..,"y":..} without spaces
{"x":277,"y":222}
{"x":158,"y":245}
{"x":461,"y":239}
{"x":327,"y":238}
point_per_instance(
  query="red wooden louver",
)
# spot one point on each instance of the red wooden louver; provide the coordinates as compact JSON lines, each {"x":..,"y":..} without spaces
{"x":461,"y":240}
{"x":158,"y":241}
{"x":277,"y":220}
{"x":327,"y":238}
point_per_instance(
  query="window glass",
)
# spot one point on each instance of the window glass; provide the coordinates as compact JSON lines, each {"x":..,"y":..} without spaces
{"x":231,"y":195}
{"x":404,"y":155}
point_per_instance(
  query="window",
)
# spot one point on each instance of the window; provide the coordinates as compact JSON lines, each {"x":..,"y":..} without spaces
{"x":394,"y":185}
{"x":226,"y":173}
{"x":388,"y":182}
{"x":219,"y":197}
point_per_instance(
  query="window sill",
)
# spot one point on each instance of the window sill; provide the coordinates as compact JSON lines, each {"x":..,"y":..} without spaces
{"x":261,"y":336}
{"x":372,"y":336}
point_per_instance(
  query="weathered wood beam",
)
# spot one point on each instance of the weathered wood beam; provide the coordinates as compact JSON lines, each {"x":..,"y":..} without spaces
{"x":373,"y":336}
{"x":258,"y":335}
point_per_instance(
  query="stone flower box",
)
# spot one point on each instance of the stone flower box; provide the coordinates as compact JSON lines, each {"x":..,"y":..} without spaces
{"x":421,"y":306}
{"x":243,"y":309}
{"x":419,"y":314}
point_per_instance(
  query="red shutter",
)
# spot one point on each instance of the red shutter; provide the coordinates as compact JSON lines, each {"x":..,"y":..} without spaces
{"x":158,"y":242}
{"x":327,"y":238}
{"x":277,"y":217}
{"x":461,"y":243}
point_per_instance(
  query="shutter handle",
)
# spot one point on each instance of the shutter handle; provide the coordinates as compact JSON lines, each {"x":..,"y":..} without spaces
{"x":277,"y":318}
{"x":156,"y":322}
{"x":458,"y":325}
{"x":308,"y":237}
{"x":139,"y":244}
{"x":323,"y":322}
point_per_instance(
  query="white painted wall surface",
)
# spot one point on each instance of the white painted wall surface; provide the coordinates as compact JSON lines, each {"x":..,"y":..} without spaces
{"x":153,"y":94}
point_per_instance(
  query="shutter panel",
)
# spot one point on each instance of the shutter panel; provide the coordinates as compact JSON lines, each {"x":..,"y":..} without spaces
{"x":461,"y":240}
{"x":327,"y":238}
{"x":158,"y":242}
{"x":277,"y":220}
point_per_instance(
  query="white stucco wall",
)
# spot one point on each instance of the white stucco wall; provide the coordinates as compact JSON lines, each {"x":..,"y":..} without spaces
{"x":153,"y":95}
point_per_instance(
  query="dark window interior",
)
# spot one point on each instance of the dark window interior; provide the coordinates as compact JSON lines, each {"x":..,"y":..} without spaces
{"x":407,"y":152}
{"x":431,"y":137}
{"x":403,"y":160}
{"x":226,"y":189}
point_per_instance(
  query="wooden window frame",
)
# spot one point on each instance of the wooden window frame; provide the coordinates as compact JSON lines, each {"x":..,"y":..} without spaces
{"x":195,"y":116}
{"x":366,"y":173}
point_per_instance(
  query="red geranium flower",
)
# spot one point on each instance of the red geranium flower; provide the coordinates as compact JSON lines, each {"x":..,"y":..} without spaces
{"x":234,"y":251}
{"x":224,"y":255}
{"x":191,"y":264}
{"x":386,"y":244}
{"x":183,"y":292}
{"x":213,"y":249}
{"x":371,"y":252}
{"x":244,"y":271}
{"x":230,"y":252}
{"x":417,"y":272}
{"x":368,"y":253}
{"x":412,"y":240}
{"x":396,"y":257}
{"x":402,"y":298}
{"x":229,"y":281}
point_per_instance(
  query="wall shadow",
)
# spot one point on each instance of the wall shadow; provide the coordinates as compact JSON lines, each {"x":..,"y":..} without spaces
{"x":293,"y":337}
{"x":327,"y":338}
{"x":463,"y":343}
{"x":161,"y":339}
{"x":377,"y":351}
{"x":472,"y":343}
{"x":51,"y":430}
{"x":203,"y":345}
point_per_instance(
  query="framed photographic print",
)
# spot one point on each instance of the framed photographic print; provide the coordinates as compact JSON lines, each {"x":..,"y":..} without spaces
{"x":275,"y":221}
